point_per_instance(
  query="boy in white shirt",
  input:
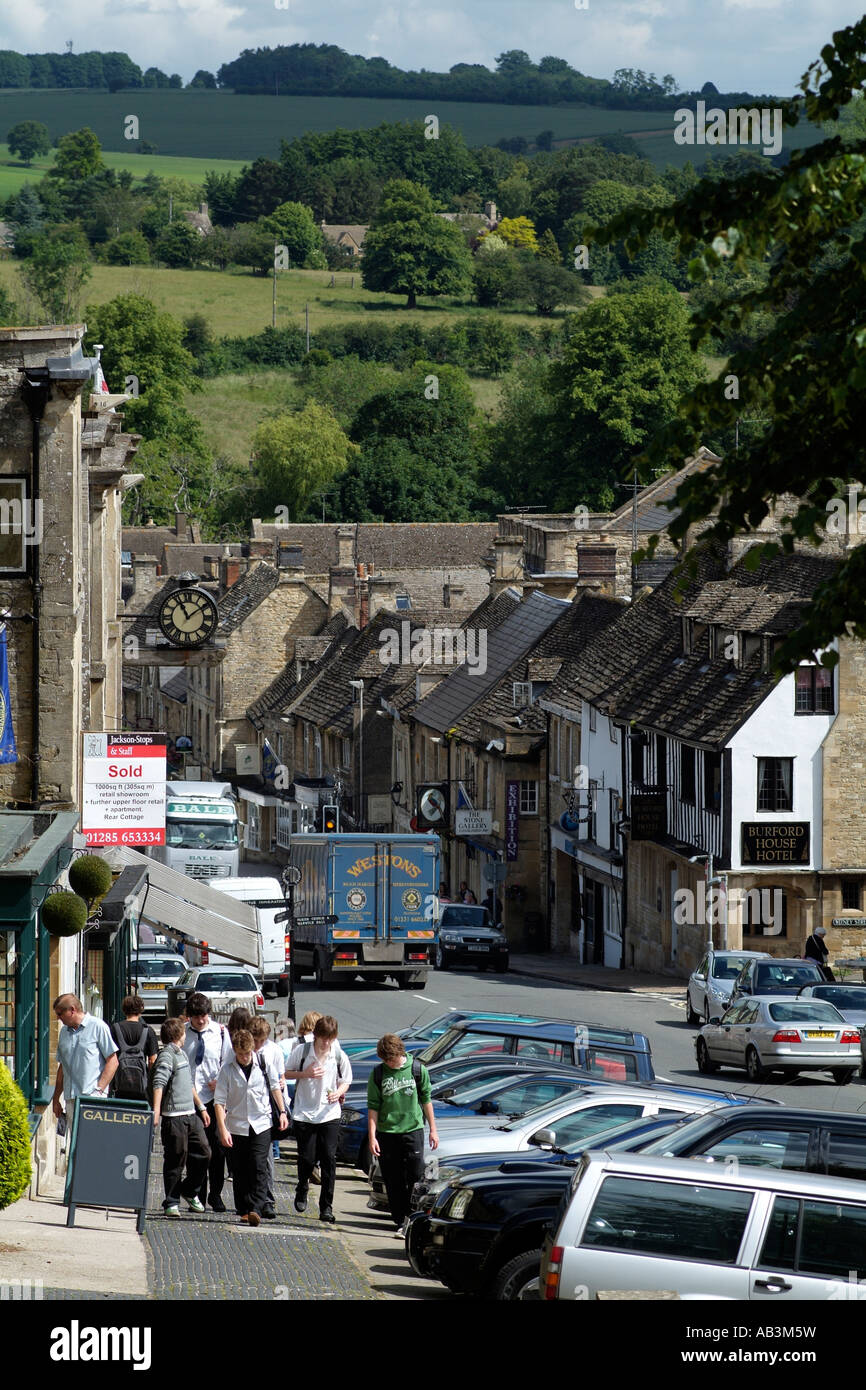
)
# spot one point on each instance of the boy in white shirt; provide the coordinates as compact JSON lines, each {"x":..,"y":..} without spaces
{"x":323,"y":1075}
{"x":242,"y":1101}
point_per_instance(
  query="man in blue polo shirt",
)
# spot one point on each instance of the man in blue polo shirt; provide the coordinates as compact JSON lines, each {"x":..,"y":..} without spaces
{"x":86,"y":1053}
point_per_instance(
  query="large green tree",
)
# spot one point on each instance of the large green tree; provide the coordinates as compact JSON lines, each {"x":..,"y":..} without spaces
{"x":57,"y":271}
{"x":809,"y":371}
{"x":293,"y":226}
{"x":297,"y":455}
{"x":79,"y":154}
{"x":409,"y":250}
{"x":27,"y":139}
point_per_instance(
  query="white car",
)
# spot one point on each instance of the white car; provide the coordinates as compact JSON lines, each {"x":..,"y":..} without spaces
{"x":709,"y":988}
{"x":577,"y":1116}
{"x":227,"y":986}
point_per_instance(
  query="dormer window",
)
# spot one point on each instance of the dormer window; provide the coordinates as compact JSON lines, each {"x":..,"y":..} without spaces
{"x":521,"y":694}
{"x":403,"y":602}
{"x":813,"y":690}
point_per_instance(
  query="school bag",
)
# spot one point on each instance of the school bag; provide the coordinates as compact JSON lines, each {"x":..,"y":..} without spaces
{"x":131,"y":1077}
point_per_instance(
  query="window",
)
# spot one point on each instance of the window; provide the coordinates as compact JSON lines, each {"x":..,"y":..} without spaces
{"x":687,"y":774}
{"x":713,"y":781}
{"x":611,"y":1066}
{"x":592,"y":717}
{"x":638,"y":751}
{"x":317,"y":746}
{"x":555,"y":732}
{"x":613,"y":801}
{"x":284,"y":825}
{"x":545,"y":1050}
{"x":403,"y":602}
{"x":592,"y":822}
{"x":306,"y":729}
{"x":846,"y":1155}
{"x":253,"y":826}
{"x":521,"y":694}
{"x":20,"y":525}
{"x":528,"y":1095}
{"x":571,"y":1129}
{"x":813,"y":691}
{"x":661,"y":779}
{"x":833,"y":1239}
{"x":529,"y":798}
{"x":775,"y":784}
{"x":611,"y":729}
{"x":763,"y":1148}
{"x":683,"y":1221}
{"x":850,"y":895}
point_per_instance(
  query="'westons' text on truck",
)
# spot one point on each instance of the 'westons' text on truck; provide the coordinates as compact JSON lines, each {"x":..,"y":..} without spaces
{"x":383,"y":890}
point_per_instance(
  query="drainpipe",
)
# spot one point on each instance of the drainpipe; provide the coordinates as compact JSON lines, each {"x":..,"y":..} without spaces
{"x":36,"y":390}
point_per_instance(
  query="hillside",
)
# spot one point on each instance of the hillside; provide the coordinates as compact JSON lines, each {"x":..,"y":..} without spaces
{"x":220,"y":126}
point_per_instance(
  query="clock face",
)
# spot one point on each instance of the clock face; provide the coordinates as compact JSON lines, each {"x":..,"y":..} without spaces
{"x":188,"y":617}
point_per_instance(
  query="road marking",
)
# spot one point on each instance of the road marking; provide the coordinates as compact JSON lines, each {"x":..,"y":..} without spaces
{"x":426,"y":998}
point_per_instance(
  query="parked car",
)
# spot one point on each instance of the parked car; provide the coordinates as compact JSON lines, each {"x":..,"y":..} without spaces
{"x":762,"y":1035}
{"x":711,"y":982}
{"x":775,"y":976}
{"x":483,"y":1093}
{"x":227,"y":986}
{"x":151,"y":973}
{"x":637,"y":1221}
{"x":585,"y":1112}
{"x":420,"y":1034}
{"x":467,"y":936}
{"x":832,"y":1143}
{"x":850,"y":1000}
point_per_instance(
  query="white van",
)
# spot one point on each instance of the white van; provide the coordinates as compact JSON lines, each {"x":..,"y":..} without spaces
{"x":267,"y":894}
{"x":636,"y":1221}
{"x":201,"y":830}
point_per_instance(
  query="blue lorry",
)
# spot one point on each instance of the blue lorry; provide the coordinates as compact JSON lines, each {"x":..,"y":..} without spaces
{"x":383,"y":892}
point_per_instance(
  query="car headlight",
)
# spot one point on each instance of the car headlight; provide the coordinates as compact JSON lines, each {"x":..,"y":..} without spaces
{"x":449,"y":939}
{"x":459,"y":1203}
{"x":349,"y":1117}
{"x":718,"y":993}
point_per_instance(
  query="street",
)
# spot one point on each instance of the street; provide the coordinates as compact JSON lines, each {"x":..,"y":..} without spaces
{"x":367,"y":1010}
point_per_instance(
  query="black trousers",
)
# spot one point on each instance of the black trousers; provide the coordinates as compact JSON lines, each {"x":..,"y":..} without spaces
{"x":401,"y":1158}
{"x":184,"y":1145}
{"x":317,"y":1144}
{"x":214,"y":1175}
{"x":250,"y":1171}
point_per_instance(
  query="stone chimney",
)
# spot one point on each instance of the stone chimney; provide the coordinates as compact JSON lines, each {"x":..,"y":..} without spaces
{"x":363,"y":597}
{"x":382,"y":593}
{"x":231,"y":569}
{"x":262,"y":549}
{"x":290,"y":556}
{"x":211,"y":566}
{"x":453,"y":595}
{"x":508,"y":571}
{"x":146,"y":579}
{"x":345,"y":546}
{"x":180,"y":525}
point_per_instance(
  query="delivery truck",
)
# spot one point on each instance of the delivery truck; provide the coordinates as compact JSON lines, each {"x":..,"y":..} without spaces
{"x":366,"y":905}
{"x":201,"y":830}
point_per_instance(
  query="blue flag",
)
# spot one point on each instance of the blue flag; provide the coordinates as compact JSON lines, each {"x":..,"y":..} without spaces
{"x":8,"y":751}
{"x":270,"y":763}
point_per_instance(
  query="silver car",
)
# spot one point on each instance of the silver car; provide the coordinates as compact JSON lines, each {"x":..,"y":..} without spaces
{"x":850,"y":1000}
{"x":578,"y":1116}
{"x":762,"y":1034}
{"x":709,"y":988}
{"x":151,"y":973}
{"x":227,"y":986}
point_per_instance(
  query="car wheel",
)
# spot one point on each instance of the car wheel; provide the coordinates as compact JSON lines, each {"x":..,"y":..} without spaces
{"x":691,"y":1016}
{"x":842,"y":1075}
{"x":519,"y":1277}
{"x":502,"y":966}
{"x":440,"y":959}
{"x":754,"y":1070}
{"x":705,"y":1063}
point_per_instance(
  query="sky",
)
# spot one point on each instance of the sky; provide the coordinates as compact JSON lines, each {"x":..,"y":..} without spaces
{"x":752,"y":45}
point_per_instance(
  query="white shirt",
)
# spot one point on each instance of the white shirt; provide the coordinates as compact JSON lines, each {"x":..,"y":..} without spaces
{"x":217,"y":1051}
{"x":273,"y":1055}
{"x":311,"y":1105}
{"x":247,"y":1103}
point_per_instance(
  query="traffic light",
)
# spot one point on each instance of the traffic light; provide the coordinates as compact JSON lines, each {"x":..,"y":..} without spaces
{"x":330,"y":820}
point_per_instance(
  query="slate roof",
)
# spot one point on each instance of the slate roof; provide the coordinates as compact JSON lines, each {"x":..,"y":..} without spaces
{"x":131,"y":676}
{"x":178,"y":558}
{"x":150,"y":540}
{"x":245,"y":595}
{"x":637,"y":671}
{"x":335,"y":230}
{"x":387,"y":545}
{"x":652,"y":514}
{"x":443,"y":708}
{"x":286,"y":685}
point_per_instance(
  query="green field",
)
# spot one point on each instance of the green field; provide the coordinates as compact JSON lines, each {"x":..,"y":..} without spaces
{"x":13,"y":174}
{"x":220,"y":126}
{"x":238,"y":305}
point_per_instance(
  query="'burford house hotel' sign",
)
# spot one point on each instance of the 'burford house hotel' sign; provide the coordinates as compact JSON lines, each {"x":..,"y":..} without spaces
{"x":765,"y":842}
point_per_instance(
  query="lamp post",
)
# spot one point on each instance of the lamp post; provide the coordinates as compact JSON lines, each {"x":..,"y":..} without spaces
{"x":290,"y":878}
{"x":360,"y":819}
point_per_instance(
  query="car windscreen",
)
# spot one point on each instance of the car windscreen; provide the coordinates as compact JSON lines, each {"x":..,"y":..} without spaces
{"x":728,"y":967}
{"x":805,"y":1011}
{"x":457,"y":1042}
{"x":788,"y":976}
{"x":465,"y":917}
{"x":840,"y":997}
{"x":228,"y":983}
{"x":152,"y":968}
{"x":200,"y":834}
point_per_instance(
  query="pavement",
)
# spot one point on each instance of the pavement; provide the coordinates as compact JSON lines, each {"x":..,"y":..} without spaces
{"x":564,"y":969}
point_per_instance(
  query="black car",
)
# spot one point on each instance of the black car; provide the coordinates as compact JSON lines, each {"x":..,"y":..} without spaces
{"x":467,"y":936}
{"x":775,"y":976}
{"x":481,"y":1232}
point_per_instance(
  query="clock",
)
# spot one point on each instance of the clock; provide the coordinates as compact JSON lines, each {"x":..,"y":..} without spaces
{"x":188,"y":617}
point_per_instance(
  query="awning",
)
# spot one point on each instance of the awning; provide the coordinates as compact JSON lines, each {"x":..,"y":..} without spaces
{"x":258,"y":798}
{"x":198,"y":912}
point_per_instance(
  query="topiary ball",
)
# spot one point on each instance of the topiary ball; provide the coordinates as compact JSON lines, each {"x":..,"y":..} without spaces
{"x":14,"y":1140}
{"x":64,"y":914}
{"x":90,"y":877}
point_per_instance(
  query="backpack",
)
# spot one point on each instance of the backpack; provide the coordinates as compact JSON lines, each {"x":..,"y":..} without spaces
{"x":131,"y":1077}
{"x":379,"y":1072}
{"x":308,"y":1047}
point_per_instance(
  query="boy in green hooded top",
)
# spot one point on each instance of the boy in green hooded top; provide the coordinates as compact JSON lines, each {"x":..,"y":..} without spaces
{"x":398,"y":1103}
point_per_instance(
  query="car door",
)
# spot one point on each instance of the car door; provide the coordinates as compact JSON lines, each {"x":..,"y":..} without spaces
{"x":740,"y":1035}
{"x":811,"y":1250}
{"x":721,"y":1040}
{"x":698,"y":985}
{"x":648,"y":1233}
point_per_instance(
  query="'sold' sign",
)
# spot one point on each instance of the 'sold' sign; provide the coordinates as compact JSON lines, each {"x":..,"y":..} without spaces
{"x":766,"y":842}
{"x":123,"y":795}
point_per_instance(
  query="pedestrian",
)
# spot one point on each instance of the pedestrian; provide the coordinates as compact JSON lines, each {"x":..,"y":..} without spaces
{"x":398,"y":1102}
{"x":183,"y":1121}
{"x":305,"y":1033}
{"x":816,"y":949}
{"x":239,"y":1018}
{"x":137,"y":1049}
{"x":494,"y":907}
{"x":86,"y":1054}
{"x":242,"y":1102}
{"x":466,"y":894}
{"x":208,"y":1046}
{"x":444,"y":895}
{"x":268,"y":1054}
{"x":322,"y":1074}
